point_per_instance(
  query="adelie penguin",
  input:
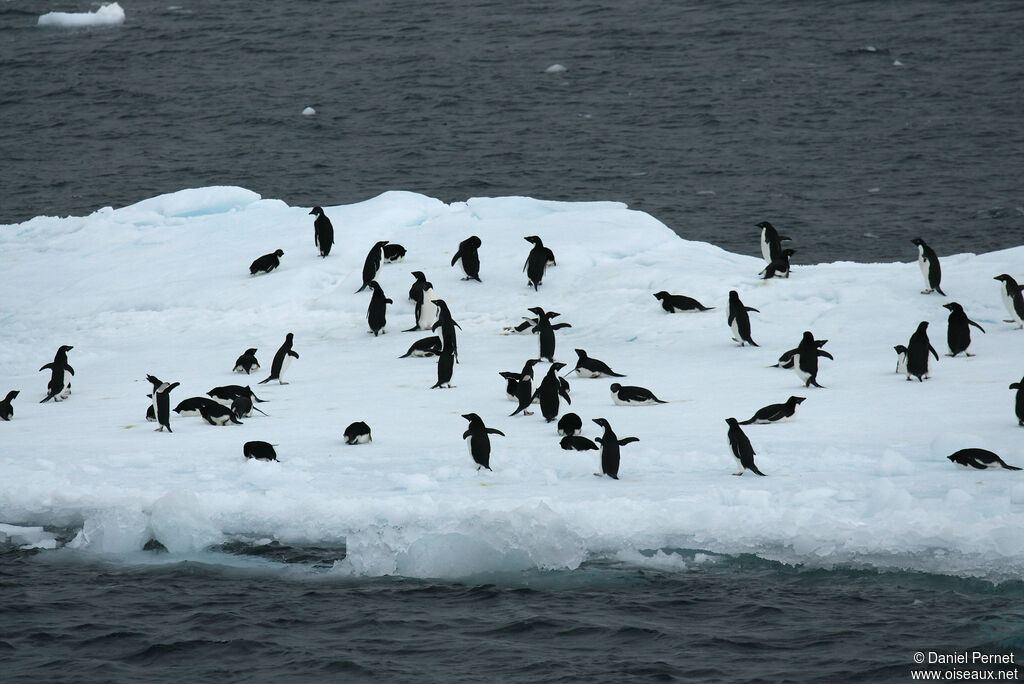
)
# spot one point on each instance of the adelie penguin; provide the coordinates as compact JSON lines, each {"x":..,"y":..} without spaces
{"x":425,"y":312}
{"x":577,"y":443}
{"x":929,"y":263}
{"x":445,"y":369}
{"x":323,"y":231}
{"x":805,"y":361}
{"x":610,"y":453}
{"x":742,"y":450}
{"x":6,"y":410}
{"x":569,"y":425}
{"x":546,"y":333}
{"x":242,"y":406}
{"x":1012,"y":298}
{"x":469,"y":258}
{"x":917,"y":353}
{"x":1018,"y":404}
{"x":524,"y":389}
{"x":371,"y":265}
{"x":786,"y":359}
{"x":393,"y":253}
{"x":218,"y":414}
{"x":261,"y":451}
{"x":376,"y":312}
{"x":549,"y":391}
{"x":447,"y":324}
{"x":629,"y":395}
{"x":427,"y":346}
{"x":981,"y":459}
{"x":419,"y":284}
{"x":59,"y":387}
{"x":901,"y":359}
{"x":247,"y":363}
{"x":775,"y":413}
{"x":779,"y":268}
{"x":536,"y":261}
{"x":674,"y":303}
{"x":192,"y":405}
{"x":226,"y":394}
{"x":958,"y":329}
{"x":739,"y":321}
{"x":771,"y":241}
{"x":587,"y":367}
{"x":162,"y":401}
{"x":358,"y":433}
{"x":266,"y":263}
{"x":476,"y":436}
{"x":282,"y":359}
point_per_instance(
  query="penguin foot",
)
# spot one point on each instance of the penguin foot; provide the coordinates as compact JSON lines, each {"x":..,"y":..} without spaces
{"x":927,"y":291}
{"x":598,"y":474}
{"x":968,"y":353}
{"x":738,"y":474}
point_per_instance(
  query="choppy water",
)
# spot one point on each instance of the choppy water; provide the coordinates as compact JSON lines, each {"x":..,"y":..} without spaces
{"x":851,"y":126}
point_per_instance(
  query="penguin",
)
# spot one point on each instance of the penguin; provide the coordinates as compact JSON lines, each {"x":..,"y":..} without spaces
{"x":536,"y":261}
{"x":739,"y":321}
{"x":282,"y":359}
{"x":1012,"y":298}
{"x":162,"y":401}
{"x":418,"y":286}
{"x":577,"y":443}
{"x":425,"y":312}
{"x":247,"y":363}
{"x":376,"y":313}
{"x":958,"y":329}
{"x":467,"y":254}
{"x":266,"y":263}
{"x":569,"y":425}
{"x":6,"y":410}
{"x":372,"y":264}
{"x":445,"y":368}
{"x":929,"y":264}
{"x":546,"y":332}
{"x":59,"y":387}
{"x":771,"y":241}
{"x":323,"y":231}
{"x":226,"y":394}
{"x":775,"y":413}
{"x":630,"y":395}
{"x":477,"y":440}
{"x":673,"y":303}
{"x":191,"y":406}
{"x":549,"y":391}
{"x":982,"y":459}
{"x":805,"y":361}
{"x":1018,"y":406}
{"x":901,"y":359}
{"x":261,"y":451}
{"x":779,"y":267}
{"x":242,"y":406}
{"x":448,"y":326}
{"x":428,"y":346}
{"x":150,"y":412}
{"x":511,"y":383}
{"x":610,"y":444}
{"x":524,"y":389}
{"x":393,"y":253}
{"x":587,"y":367}
{"x":741,"y":448}
{"x":786,"y":360}
{"x":527,"y":325}
{"x":217,"y":414}
{"x":358,"y":433}
{"x":917,"y":353}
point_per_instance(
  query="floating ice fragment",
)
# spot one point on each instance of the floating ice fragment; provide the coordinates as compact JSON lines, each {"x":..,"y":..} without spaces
{"x":308,"y":111}
{"x":897,"y":62}
{"x":870,"y":48}
{"x":554,"y":69}
{"x":106,"y":15}
{"x":874,"y":189}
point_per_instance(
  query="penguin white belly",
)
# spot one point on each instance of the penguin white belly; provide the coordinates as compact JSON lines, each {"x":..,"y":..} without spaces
{"x":220,"y":420}
{"x":735,"y":327}
{"x":284,"y":366}
{"x":222,"y":401}
{"x":587,"y":373}
{"x":428,"y":312}
{"x":626,"y":402}
{"x":1008,"y":303}
{"x":800,"y":373}
{"x":67,"y":387}
{"x":923,"y":264}
{"x":188,"y":414}
{"x":362,"y":439}
{"x":901,"y":364}
{"x":766,"y":250}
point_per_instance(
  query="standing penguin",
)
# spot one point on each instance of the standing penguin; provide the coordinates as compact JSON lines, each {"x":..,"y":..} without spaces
{"x":282,"y":359}
{"x":1012,"y":298}
{"x":917,"y":353}
{"x":524,"y":389}
{"x":958,"y":329}
{"x":418,"y":286}
{"x":426,"y":310}
{"x":929,"y":263}
{"x":323,"y":231}
{"x":741,"y":448}
{"x":6,"y":410}
{"x":445,"y":369}
{"x":162,"y":401}
{"x":1018,"y":406}
{"x":587,"y":367}
{"x":546,"y":334}
{"x":771,"y":241}
{"x":610,"y":444}
{"x":60,"y":375}
{"x":247,"y":363}
{"x":805,"y":361}
{"x":901,"y":359}
{"x":266,"y":263}
{"x":739,"y":321}
{"x":448,"y":326}
{"x":372,"y":264}
{"x":786,"y":359}
{"x":376,"y":312}
{"x":536,"y":261}
{"x":477,"y":440}
{"x":549,"y":391}
{"x":467,"y":254}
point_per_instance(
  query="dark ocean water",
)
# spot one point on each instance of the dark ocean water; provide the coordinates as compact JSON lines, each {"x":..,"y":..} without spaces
{"x":853,"y":127}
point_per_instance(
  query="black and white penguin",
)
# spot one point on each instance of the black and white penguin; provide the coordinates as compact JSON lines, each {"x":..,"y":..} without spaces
{"x":901,"y":359}
{"x":786,"y":359}
{"x":546,"y":333}
{"x":282,"y":359}
{"x":673,"y":303}
{"x":371,"y":265}
{"x":242,"y":406}
{"x":739,"y":321}
{"x":218,"y":414}
{"x":266,"y":263}
{"x":524,"y":388}
{"x":393,"y":253}
{"x":917,"y":353}
{"x":741,"y":448}
{"x":470,"y":258}
{"x":418,"y":286}
{"x":323,"y":231}
{"x":191,"y":406}
{"x":358,"y":433}
{"x":569,"y":425}
{"x":511,"y":384}
{"x":775,"y":413}
{"x":1012,"y":298}
{"x":6,"y":410}
{"x":247,"y":363}
{"x":1019,"y":403}
{"x":476,"y":436}
{"x":59,"y":387}
{"x":425,"y":312}
{"x":447,"y":324}
{"x":958,"y":329}
{"x":226,"y":394}
{"x":771,"y":241}
{"x":536,"y":261}
{"x":428,"y":346}
{"x":982,"y":459}
{"x":630,"y":395}
{"x":376,"y":312}
{"x":929,"y":263}
{"x":526,"y":326}
{"x":577,"y":443}
{"x":610,"y":444}
{"x":587,"y":367}
{"x":445,"y":369}
{"x":261,"y":451}
{"x":548,"y":392}
{"x":162,"y":401}
{"x":779,"y":268}
{"x":805,"y":361}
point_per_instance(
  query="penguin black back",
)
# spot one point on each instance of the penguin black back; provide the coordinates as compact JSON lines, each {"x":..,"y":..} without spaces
{"x":549,"y":391}
{"x":59,"y":386}
{"x":445,"y":369}
{"x":1019,"y":401}
{"x":1012,"y":298}
{"x":739,"y":321}
{"x":958,"y":329}
{"x":476,"y":436}
{"x":470,"y":258}
{"x":917,"y":353}
{"x":372,"y":263}
{"x":6,"y":410}
{"x":323,"y":231}
{"x":930,"y":269}
{"x":261,"y":451}
{"x":610,"y":452}
{"x":376,"y":312}
{"x":266,"y":263}
{"x":569,"y":424}
{"x":805,"y":361}
{"x":247,"y":363}
{"x":282,"y":359}
{"x":536,"y":261}
{"x":358,"y":433}
{"x":741,"y":448}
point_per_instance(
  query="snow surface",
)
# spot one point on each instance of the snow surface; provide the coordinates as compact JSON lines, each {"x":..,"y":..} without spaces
{"x":106,"y":15}
{"x":859,"y":477}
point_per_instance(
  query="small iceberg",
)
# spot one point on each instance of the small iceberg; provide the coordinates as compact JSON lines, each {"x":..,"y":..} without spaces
{"x":107,"y":15}
{"x":555,"y":69}
{"x":308,"y":111}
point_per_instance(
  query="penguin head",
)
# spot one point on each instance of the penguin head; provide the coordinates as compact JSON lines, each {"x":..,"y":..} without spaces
{"x":615,"y":387}
{"x":602,"y":422}
{"x":317,"y":211}
{"x":154,"y":380}
{"x":900,"y":349}
{"x":537,"y":310}
{"x":380,"y":244}
{"x":279,"y":253}
{"x":374,"y":286}
{"x":662,"y":295}
{"x":797,"y":400}
{"x":534,"y":239}
{"x":732,"y":422}
{"x":808,"y":336}
{"x":251,"y":350}
{"x":473,"y":241}
{"x":419,"y":276}
{"x":472,"y":417}
{"x":918,"y":241}
{"x":65,"y":348}
{"x":11,"y":395}
{"x":582,"y":354}
{"x":734,"y":296}
{"x":289,"y":337}
{"x":953,"y":306}
{"x":764,"y":224}
{"x":1004,"y":277}
{"x":555,"y":367}
{"x":922,"y":326}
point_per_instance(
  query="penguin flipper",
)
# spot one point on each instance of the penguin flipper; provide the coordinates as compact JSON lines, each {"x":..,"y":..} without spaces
{"x":293,"y":353}
{"x":750,"y":308}
{"x":49,"y":365}
{"x":458,"y":255}
{"x":628,"y":440}
{"x":822,"y":352}
{"x":939,"y":290}
{"x":1007,"y":465}
{"x":749,"y":421}
{"x":267,"y":380}
{"x":1015,"y":386}
{"x":968,"y":320}
{"x":71,"y":370}
{"x":932,"y":350}
{"x":756,"y":471}
{"x":494,"y":431}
